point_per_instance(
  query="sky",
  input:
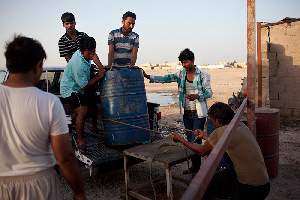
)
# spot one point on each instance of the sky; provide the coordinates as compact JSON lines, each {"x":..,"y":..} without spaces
{"x":214,"y":30}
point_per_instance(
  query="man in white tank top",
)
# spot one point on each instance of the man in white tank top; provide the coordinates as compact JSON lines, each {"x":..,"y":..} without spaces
{"x":33,"y":130}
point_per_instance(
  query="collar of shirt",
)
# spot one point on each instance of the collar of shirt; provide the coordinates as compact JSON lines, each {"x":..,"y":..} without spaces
{"x":82,"y":58}
{"x":69,"y":38}
{"x":121,"y":31}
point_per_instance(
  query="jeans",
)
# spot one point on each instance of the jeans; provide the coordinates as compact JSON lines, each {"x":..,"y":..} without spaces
{"x":192,"y":122}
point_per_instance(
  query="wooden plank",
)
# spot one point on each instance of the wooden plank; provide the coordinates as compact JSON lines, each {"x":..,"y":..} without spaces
{"x":200,"y":182}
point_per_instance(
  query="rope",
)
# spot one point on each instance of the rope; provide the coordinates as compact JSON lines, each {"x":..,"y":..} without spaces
{"x":146,"y":129}
{"x":134,"y":126}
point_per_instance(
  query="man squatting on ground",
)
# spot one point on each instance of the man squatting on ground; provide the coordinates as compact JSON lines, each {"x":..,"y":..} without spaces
{"x":194,"y":89}
{"x":27,"y":147}
{"x":76,"y":80}
{"x":68,"y":44}
{"x":248,"y":179}
{"x":123,"y":43}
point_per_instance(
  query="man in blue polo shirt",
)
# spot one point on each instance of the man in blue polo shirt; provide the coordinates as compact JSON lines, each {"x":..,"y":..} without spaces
{"x":76,"y":80}
{"x":123,"y":43}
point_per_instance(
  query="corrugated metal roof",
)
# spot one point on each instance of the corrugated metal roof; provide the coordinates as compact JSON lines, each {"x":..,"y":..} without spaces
{"x":283,"y":21}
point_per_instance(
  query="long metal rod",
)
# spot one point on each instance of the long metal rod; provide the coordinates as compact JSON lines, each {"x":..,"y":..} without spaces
{"x":259,"y":66}
{"x":200,"y":182}
{"x":251,"y":65}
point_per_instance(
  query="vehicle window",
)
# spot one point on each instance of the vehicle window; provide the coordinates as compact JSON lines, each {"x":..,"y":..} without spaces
{"x":51,"y":78}
{"x":2,"y":75}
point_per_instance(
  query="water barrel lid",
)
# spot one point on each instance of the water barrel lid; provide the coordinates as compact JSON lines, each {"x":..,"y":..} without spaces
{"x":266,"y":110}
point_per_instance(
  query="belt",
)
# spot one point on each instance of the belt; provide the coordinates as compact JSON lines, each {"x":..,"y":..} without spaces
{"x":190,"y":111}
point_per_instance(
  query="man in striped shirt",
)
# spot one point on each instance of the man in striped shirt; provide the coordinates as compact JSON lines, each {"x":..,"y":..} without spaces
{"x":69,"y":42}
{"x":123,"y":43}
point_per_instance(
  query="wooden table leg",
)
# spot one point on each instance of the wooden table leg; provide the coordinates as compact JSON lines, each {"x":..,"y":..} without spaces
{"x":126,"y":173}
{"x":169,"y":184}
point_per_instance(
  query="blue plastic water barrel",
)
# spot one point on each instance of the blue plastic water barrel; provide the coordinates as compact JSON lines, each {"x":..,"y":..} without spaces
{"x":124,"y":101}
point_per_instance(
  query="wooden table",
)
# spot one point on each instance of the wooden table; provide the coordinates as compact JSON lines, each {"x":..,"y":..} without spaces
{"x":164,"y":152}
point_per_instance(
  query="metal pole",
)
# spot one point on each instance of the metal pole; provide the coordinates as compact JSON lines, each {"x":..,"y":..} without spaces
{"x":251,"y":65}
{"x":259,"y":66}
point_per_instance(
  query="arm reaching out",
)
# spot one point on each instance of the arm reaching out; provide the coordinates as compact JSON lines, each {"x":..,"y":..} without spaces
{"x":66,"y":161}
{"x":198,"y":149}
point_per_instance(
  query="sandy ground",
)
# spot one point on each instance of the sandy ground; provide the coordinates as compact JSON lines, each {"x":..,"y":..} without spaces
{"x":110,"y":184}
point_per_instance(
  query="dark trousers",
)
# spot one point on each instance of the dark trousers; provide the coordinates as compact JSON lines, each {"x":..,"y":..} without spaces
{"x":224,"y":184}
{"x":249,"y":192}
{"x":192,"y":122}
{"x":226,"y":161}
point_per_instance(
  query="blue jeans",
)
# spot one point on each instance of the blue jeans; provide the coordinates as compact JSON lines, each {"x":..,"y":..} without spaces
{"x":192,"y":122}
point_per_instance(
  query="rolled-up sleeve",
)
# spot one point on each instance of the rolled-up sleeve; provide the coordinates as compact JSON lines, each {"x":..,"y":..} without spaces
{"x":58,"y":121}
{"x":81,"y":75}
{"x":136,"y":42}
{"x":111,"y":38}
{"x":206,"y":91}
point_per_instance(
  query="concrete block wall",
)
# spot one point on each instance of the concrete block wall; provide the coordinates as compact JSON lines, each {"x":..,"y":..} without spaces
{"x":281,"y":68}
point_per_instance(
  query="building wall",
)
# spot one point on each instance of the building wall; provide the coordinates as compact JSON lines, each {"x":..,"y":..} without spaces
{"x":281,"y":68}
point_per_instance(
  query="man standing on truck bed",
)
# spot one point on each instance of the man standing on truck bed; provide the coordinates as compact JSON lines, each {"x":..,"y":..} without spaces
{"x":123,"y":43}
{"x":33,"y":129}
{"x":68,"y":44}
{"x":76,"y":80}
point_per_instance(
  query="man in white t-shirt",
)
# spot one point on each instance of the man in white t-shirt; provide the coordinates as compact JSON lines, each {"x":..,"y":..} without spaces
{"x":33,"y":132}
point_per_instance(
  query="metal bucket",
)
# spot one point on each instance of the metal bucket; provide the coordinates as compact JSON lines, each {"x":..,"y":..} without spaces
{"x":124,"y":105}
{"x":267,"y":135}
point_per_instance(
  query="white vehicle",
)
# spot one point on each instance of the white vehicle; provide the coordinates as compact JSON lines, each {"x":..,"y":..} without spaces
{"x":3,"y":75}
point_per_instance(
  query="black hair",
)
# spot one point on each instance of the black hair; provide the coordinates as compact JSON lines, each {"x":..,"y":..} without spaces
{"x":23,"y":53}
{"x":128,"y":14}
{"x":186,"y":54}
{"x":67,"y":17}
{"x":222,"y":112}
{"x":87,"y":43}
